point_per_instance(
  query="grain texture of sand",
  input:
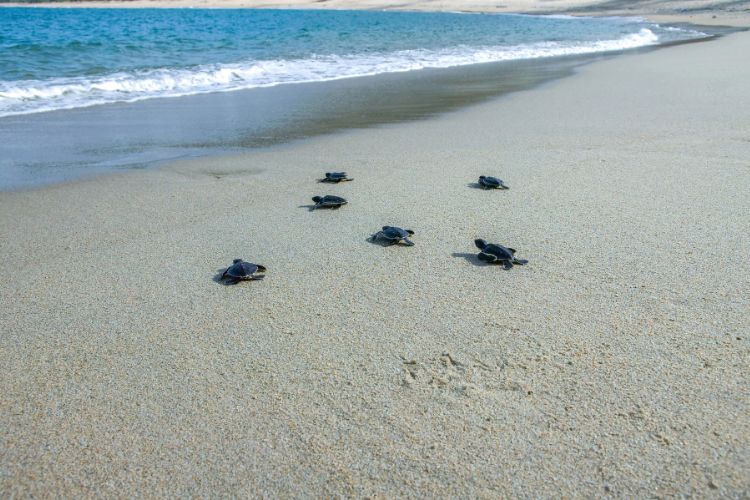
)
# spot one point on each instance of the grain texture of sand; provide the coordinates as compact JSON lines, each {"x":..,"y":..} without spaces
{"x":616,"y":362}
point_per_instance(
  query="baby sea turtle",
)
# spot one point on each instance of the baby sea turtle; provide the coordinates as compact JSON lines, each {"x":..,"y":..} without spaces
{"x":328,"y":201}
{"x":488,"y":182}
{"x":394,"y":235}
{"x":243,"y":271}
{"x":497,"y":254}
{"x":336,"y":177}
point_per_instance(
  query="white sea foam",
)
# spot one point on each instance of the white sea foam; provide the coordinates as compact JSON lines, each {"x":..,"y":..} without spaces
{"x":23,"y":97}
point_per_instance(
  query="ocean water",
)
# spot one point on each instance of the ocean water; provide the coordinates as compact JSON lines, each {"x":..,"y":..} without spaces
{"x":55,"y":59}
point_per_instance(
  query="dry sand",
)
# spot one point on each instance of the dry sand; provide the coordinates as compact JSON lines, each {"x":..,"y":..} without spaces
{"x":615,"y":362}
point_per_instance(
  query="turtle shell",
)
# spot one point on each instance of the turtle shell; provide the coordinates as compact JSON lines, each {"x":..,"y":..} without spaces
{"x":394,"y":233}
{"x":330,"y":200}
{"x":490,"y":181}
{"x":499,"y":251}
{"x":242,"y":270}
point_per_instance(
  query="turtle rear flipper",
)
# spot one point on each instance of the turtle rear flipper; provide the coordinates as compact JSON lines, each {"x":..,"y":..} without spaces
{"x":486,"y":257}
{"x":520,"y":261}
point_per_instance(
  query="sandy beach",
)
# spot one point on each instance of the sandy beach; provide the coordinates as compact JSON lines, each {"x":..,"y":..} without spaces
{"x":614,"y":364}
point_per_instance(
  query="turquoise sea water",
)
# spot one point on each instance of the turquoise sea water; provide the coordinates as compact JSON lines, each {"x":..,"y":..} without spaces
{"x":52,"y":59}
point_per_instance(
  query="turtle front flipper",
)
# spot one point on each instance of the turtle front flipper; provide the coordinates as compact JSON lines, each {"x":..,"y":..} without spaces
{"x":255,"y":278}
{"x":261,"y":269}
{"x":508,"y":264}
{"x":408,"y":242}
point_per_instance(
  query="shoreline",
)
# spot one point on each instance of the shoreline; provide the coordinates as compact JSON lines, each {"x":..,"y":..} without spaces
{"x":612,"y":364}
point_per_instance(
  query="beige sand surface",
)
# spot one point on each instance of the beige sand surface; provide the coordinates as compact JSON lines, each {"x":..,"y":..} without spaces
{"x":615,"y":362}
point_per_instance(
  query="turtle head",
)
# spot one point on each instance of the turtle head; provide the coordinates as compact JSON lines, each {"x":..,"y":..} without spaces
{"x":482,"y":177}
{"x":235,"y":261}
{"x":410,"y":232}
{"x":316,"y":199}
{"x":480,"y":243}
{"x":328,"y":174}
{"x":386,"y":228}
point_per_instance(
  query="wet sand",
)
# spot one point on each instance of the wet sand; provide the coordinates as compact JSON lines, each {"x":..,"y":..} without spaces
{"x":615,"y":362}
{"x":93,"y":140}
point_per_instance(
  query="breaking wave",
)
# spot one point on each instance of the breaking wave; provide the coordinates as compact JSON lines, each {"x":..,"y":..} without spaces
{"x":34,"y":96}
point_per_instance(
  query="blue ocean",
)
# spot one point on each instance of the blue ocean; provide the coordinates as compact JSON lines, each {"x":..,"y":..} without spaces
{"x":55,"y":59}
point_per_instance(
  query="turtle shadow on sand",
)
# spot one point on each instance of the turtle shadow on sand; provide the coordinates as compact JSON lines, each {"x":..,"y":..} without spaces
{"x":476,"y":185}
{"x":471,"y":258}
